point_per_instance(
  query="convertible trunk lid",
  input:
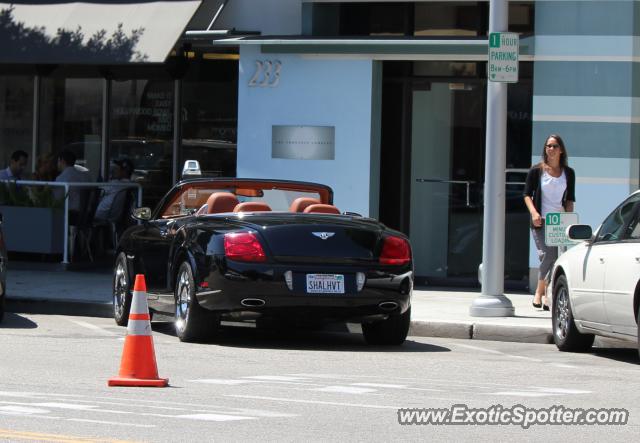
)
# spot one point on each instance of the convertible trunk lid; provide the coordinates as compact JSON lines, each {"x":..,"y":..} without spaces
{"x":312,"y":238}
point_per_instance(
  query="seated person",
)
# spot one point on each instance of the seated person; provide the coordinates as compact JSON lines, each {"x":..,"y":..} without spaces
{"x":113,"y":198}
{"x":17,"y":165}
{"x":69,"y":173}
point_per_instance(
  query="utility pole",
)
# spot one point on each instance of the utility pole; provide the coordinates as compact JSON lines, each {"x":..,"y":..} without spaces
{"x":492,"y":302}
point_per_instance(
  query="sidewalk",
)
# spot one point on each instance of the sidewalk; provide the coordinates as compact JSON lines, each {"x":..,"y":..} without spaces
{"x":436,"y":312}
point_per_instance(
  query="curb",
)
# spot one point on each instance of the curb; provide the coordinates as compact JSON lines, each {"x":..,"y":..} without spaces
{"x":418,"y":328}
{"x":481,"y":331}
{"x":59,"y":307}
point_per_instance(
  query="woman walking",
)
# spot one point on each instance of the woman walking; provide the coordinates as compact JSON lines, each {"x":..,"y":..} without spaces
{"x":550,"y":187}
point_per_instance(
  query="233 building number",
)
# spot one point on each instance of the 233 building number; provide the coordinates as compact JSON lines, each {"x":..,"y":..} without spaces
{"x":267,"y":74}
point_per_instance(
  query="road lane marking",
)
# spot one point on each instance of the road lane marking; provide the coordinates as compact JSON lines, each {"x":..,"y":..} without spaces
{"x":380,"y":385}
{"x":66,"y":406}
{"x":493,"y":351}
{"x":41,"y":437}
{"x":344,"y":389}
{"x":316,"y":402}
{"x":215,"y":417}
{"x":541,"y":392}
{"x":91,"y":326}
{"x":221,"y":381}
{"x":22,"y":410}
{"x":275,"y":378}
{"x":104,"y":422}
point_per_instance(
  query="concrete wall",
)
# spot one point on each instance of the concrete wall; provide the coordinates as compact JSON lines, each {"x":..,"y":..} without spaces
{"x":311,"y":92}
{"x":586,"y":89}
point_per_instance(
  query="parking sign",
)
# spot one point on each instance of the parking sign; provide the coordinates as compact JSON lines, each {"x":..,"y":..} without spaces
{"x":555,"y":225}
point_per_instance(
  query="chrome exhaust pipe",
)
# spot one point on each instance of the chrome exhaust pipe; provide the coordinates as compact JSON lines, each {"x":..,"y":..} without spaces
{"x":252,"y":302}
{"x":388,"y":305}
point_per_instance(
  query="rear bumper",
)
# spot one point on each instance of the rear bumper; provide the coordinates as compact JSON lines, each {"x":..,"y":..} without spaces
{"x":262,"y":291}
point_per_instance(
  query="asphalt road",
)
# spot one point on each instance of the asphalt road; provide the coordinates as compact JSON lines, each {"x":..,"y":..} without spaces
{"x":297,"y":386}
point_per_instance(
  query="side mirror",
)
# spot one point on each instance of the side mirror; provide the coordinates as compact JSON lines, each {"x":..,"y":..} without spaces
{"x":143,"y":214}
{"x":579,"y":232}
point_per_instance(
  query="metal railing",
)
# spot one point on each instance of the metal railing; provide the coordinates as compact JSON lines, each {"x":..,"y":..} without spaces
{"x":454,"y":182}
{"x":66,"y":186}
{"x":467,"y":184}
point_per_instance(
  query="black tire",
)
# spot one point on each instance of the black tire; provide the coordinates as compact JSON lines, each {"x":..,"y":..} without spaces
{"x":1,"y":306}
{"x":122,"y":294}
{"x":565,"y":334}
{"x":392,"y":331}
{"x":193,"y":323}
{"x":638,"y":323}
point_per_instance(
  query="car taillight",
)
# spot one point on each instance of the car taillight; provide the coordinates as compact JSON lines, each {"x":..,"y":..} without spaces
{"x":395,"y":251}
{"x":243,"y":246}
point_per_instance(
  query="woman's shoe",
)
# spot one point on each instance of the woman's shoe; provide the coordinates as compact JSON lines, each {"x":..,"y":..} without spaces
{"x":545,"y":307}
{"x":536,"y":305}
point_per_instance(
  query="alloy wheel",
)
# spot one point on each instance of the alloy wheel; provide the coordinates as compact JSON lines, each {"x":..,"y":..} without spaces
{"x":120,"y":289}
{"x":562,"y":313}
{"x":183,"y":299}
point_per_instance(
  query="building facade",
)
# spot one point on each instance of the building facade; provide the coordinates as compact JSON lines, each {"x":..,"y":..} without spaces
{"x":385,"y":101}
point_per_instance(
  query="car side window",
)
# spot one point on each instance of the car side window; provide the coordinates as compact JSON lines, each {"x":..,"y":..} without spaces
{"x":619,"y":221}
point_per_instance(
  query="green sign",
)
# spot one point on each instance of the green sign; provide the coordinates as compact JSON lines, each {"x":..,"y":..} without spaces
{"x":504,"y":48}
{"x":555,"y":226}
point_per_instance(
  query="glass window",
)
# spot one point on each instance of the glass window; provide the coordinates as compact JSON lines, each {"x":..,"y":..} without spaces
{"x":16,"y":117}
{"x":613,"y":227}
{"x":142,"y":131}
{"x":209,"y":116}
{"x":71,"y":118}
{"x":424,"y":19}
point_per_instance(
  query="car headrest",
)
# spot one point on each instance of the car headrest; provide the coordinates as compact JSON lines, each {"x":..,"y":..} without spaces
{"x":300,"y":203}
{"x":219,"y":202}
{"x":251,"y":207}
{"x":322,"y":208}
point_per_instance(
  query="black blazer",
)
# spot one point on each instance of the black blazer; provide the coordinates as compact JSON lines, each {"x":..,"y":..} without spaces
{"x":532,"y":187}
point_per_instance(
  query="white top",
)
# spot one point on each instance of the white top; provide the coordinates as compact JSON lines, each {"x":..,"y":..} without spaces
{"x":70,"y":175}
{"x":553,"y":189}
{"x":109,"y":208}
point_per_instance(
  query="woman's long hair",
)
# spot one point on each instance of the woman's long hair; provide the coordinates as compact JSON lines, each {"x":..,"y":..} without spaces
{"x":564,"y":157}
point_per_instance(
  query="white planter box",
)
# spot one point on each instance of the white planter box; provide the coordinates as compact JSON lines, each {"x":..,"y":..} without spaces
{"x":38,"y":230}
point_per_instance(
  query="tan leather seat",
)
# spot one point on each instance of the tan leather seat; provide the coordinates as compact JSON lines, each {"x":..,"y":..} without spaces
{"x":300,"y":203}
{"x":322,"y":208}
{"x":219,"y":202}
{"x":252,"y":207}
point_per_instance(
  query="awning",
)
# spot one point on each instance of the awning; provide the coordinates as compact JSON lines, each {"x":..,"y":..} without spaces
{"x":91,"y":32}
{"x":392,"y":48}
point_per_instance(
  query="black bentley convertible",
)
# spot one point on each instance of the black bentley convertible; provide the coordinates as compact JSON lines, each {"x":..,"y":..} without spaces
{"x":265,"y":251}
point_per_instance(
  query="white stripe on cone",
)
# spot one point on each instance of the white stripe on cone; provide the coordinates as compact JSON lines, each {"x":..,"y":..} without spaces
{"x":139,"y":327}
{"x":139,"y":303}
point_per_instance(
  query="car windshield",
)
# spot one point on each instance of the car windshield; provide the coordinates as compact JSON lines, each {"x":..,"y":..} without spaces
{"x":278,"y":196}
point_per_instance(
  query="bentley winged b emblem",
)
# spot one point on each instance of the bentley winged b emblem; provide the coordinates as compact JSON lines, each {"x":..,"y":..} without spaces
{"x":324,"y":235}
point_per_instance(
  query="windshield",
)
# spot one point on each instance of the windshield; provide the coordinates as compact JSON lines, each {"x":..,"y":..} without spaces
{"x":279,"y":196}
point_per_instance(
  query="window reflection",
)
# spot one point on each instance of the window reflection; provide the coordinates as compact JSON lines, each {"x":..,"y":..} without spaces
{"x":71,"y":118}
{"x":209,"y":117}
{"x":142,"y":131}
{"x":16,"y":116}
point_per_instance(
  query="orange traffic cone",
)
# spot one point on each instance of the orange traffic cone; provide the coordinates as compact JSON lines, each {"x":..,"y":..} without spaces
{"x":138,"y":366}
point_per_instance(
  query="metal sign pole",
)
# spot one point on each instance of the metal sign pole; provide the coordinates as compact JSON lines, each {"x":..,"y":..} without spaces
{"x":492,"y":302}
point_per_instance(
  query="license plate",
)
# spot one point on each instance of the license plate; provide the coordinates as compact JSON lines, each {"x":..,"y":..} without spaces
{"x":325,"y":283}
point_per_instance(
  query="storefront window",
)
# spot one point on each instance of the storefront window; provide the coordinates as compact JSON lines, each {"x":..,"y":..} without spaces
{"x":142,"y":131}
{"x":424,"y":19}
{"x":16,"y":117}
{"x":71,"y":118}
{"x":209,"y":117}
